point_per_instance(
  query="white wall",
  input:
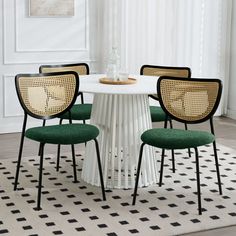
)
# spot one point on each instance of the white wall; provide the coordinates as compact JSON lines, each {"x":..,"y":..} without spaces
{"x":232,"y":78}
{"x":27,"y":42}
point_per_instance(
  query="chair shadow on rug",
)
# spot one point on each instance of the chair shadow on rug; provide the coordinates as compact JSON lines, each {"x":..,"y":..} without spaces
{"x":47,"y":96}
{"x":188,"y":101}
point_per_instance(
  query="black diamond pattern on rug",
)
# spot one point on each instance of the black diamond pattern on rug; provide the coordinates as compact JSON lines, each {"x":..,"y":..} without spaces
{"x":77,"y":208}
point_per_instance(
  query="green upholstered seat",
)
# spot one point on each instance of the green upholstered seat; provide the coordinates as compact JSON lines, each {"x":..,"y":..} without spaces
{"x":79,"y":112}
{"x":176,"y":138}
{"x":63,"y":134}
{"x":157,"y":114}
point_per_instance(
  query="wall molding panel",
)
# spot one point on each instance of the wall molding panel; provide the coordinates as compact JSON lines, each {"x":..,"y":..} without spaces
{"x":34,"y":40}
{"x":28,"y":42}
{"x":11,"y":106}
{"x":20,"y":20}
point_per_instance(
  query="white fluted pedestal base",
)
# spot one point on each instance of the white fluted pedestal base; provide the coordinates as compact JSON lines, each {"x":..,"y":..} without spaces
{"x":121,"y":120}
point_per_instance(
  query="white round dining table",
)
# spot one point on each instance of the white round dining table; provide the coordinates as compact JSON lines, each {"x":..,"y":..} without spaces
{"x":122,"y":114}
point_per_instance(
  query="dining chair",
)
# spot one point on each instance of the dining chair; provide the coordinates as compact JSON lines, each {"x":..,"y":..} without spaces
{"x":78,"y":111}
{"x":47,"y":96}
{"x":188,"y":101}
{"x":157,"y":113}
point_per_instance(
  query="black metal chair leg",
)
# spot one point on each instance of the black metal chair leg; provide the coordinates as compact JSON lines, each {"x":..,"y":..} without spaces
{"x":216,"y":157}
{"x":18,"y":163}
{"x":198,"y":182}
{"x":20,"y":153}
{"x":173,"y":160}
{"x":40,"y":176}
{"x":100,"y":170}
{"x":138,"y":173}
{"x":82,"y":98}
{"x":58,"y":151}
{"x":172,"y":151}
{"x":74,"y":163}
{"x":39,"y":152}
{"x":162,"y":167}
{"x":82,"y":102}
{"x":189,"y":151}
{"x":217,"y":168}
{"x":58,"y":157}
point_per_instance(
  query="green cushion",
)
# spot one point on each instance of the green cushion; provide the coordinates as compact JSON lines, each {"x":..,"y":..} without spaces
{"x":176,"y":138}
{"x":157,"y":114}
{"x":63,"y":134}
{"x":78,"y":112}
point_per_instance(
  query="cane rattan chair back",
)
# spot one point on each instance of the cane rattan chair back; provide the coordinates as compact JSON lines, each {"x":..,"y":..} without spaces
{"x":47,"y":95}
{"x":80,"y":68}
{"x":153,"y":70}
{"x":189,"y":100}
{"x":165,"y":70}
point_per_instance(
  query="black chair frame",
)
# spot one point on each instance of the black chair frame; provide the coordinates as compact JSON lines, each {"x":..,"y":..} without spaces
{"x":208,"y":117}
{"x":26,"y":113}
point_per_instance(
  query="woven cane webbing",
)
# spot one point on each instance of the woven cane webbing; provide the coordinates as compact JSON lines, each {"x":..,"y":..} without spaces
{"x":165,"y":71}
{"x":47,"y":95}
{"x":189,"y":100}
{"x":155,"y":71}
{"x":80,"y":69}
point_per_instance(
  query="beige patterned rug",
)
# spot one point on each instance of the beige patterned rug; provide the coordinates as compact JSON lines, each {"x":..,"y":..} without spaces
{"x":77,"y":209}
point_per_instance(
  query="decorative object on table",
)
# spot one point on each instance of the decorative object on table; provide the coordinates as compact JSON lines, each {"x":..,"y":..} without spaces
{"x":118,"y":82}
{"x":123,"y":76}
{"x":188,"y":101}
{"x":51,"y":8}
{"x":113,"y":65}
{"x":78,"y":111}
{"x":46,"y":96}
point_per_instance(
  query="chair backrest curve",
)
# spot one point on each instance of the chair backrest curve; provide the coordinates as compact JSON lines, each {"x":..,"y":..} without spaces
{"x":80,"y":68}
{"x":47,"y":95}
{"x":189,"y":100}
{"x":154,"y":70}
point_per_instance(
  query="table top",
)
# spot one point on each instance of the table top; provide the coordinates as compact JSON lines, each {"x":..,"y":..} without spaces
{"x":144,"y":85}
